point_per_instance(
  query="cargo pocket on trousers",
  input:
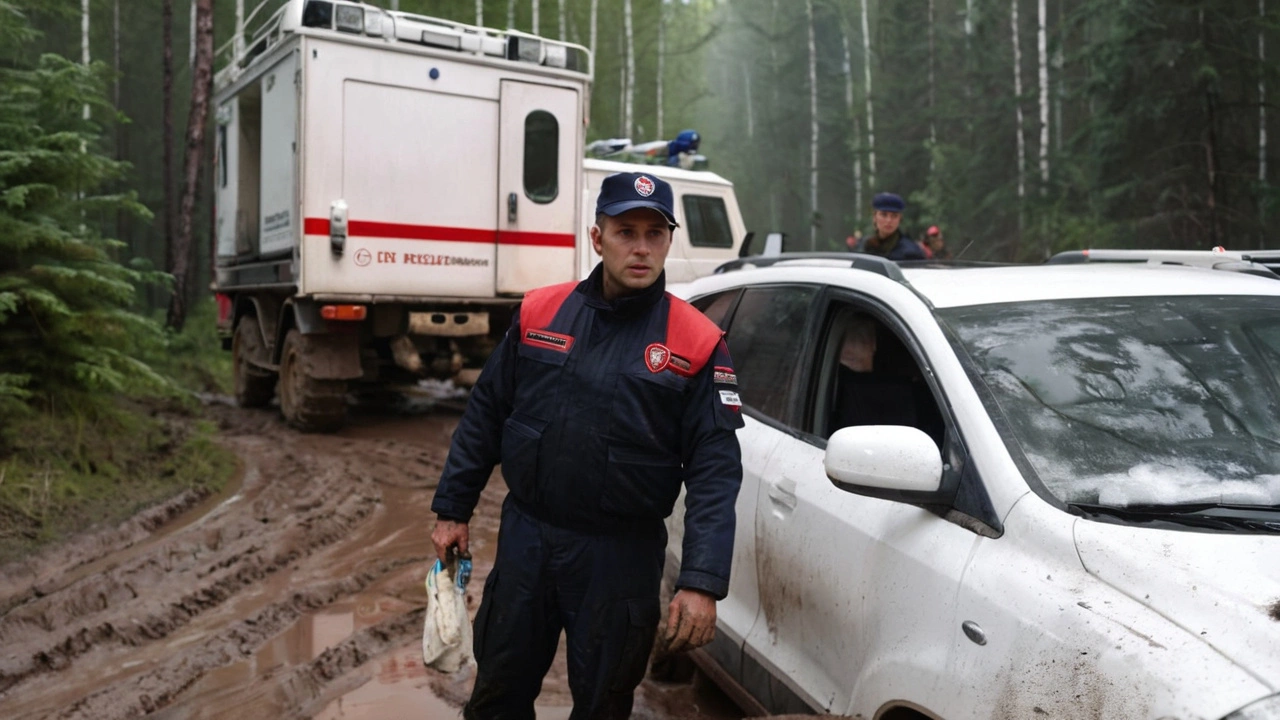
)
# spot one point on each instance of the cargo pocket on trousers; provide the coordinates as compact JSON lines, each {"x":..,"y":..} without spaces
{"x":483,"y":616}
{"x":642,"y":624}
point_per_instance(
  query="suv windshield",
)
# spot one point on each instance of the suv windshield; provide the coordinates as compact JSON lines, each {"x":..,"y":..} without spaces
{"x":1135,"y":401}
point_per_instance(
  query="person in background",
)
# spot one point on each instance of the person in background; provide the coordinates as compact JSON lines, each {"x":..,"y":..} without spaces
{"x":935,"y":244}
{"x":604,"y":398}
{"x":887,"y":239}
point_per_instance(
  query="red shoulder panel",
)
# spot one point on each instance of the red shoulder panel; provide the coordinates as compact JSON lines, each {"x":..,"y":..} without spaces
{"x":690,"y":335}
{"x":539,"y":306}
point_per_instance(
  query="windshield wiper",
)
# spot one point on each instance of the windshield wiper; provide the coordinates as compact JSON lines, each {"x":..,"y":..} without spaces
{"x":1221,"y":516}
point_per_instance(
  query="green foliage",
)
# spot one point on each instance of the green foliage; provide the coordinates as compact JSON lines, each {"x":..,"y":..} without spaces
{"x":67,"y":332}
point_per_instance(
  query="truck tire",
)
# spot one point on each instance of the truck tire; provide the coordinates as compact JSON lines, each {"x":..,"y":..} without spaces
{"x":254,"y":386}
{"x":308,"y":404}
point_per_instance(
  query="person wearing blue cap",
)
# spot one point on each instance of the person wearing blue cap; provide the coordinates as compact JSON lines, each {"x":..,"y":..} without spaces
{"x":604,"y":398}
{"x":888,"y":240}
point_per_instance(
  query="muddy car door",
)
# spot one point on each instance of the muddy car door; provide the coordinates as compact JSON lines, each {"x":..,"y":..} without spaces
{"x":855,"y":592}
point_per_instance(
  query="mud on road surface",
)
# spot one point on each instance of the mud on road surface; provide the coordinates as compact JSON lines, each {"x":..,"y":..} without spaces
{"x":296,"y":593}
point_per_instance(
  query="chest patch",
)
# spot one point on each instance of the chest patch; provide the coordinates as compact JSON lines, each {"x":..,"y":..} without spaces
{"x":548,"y":339}
{"x":658,"y":357}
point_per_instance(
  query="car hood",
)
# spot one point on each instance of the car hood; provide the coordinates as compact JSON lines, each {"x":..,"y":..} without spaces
{"x":1221,"y":588}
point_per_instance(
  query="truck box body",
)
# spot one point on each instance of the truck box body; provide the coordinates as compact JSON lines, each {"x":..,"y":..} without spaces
{"x":389,"y":185}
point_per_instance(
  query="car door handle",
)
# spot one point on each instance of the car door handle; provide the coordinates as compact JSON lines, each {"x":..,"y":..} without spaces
{"x":783,"y":494}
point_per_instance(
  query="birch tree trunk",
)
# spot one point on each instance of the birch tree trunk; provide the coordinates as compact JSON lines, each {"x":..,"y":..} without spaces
{"x":857,"y":128}
{"x":480,"y":13}
{"x":183,"y":245}
{"x":871,"y":115}
{"x":595,"y":16}
{"x":813,"y":129}
{"x":563,"y":34}
{"x":1262,"y":96}
{"x":166,"y":173}
{"x":628,"y":120}
{"x":662,"y":57}
{"x":537,"y":26}
{"x":239,"y":37}
{"x":1042,"y":47}
{"x":1017,"y":104}
{"x":84,"y":42}
{"x":511,"y":14}
{"x":751,"y":111}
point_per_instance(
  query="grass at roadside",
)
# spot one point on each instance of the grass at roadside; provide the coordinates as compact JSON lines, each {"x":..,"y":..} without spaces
{"x":96,"y":463}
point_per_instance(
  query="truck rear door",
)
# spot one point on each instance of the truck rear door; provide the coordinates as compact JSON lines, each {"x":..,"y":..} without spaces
{"x":538,"y":179}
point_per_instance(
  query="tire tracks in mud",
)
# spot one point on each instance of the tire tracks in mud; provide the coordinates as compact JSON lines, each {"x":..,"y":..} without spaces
{"x":102,"y":598}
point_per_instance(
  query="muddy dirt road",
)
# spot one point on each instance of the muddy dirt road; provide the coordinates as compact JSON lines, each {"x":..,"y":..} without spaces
{"x":296,"y":593}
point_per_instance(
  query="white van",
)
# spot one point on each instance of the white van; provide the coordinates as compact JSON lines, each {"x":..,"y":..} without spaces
{"x":711,"y":227}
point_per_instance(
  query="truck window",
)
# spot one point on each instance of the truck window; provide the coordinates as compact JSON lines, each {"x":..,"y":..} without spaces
{"x":541,"y":156}
{"x":708,"y":221}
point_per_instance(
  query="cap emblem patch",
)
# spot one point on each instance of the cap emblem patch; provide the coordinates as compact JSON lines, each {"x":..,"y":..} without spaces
{"x":657,"y":357}
{"x":645,"y":186}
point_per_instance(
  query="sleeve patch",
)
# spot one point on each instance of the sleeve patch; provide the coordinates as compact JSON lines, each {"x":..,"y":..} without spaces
{"x":730,"y":398}
{"x":724,"y":376}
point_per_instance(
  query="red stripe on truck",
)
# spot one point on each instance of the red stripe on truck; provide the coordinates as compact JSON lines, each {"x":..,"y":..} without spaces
{"x":401,"y":231}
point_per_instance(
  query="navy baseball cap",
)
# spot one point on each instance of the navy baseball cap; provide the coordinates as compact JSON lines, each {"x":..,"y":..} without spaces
{"x":627,"y":191}
{"x":888,"y":202}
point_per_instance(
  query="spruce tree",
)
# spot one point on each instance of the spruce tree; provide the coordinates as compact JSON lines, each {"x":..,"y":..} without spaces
{"x":68,"y":334}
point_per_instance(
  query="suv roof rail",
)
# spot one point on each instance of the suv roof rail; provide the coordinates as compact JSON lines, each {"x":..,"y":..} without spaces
{"x":1263,"y":264}
{"x":857,"y":261}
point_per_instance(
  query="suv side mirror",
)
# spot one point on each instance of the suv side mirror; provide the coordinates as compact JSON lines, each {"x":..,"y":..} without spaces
{"x":894,"y":462}
{"x":775,"y":243}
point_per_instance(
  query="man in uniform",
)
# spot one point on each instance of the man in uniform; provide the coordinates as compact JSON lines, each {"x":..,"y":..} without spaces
{"x":604,"y":397}
{"x":888,"y":240}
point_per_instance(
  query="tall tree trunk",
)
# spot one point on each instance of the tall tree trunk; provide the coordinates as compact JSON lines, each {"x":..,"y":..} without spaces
{"x":84,"y":43}
{"x":1042,"y":47}
{"x":628,"y":119}
{"x":813,"y":129}
{"x":595,"y":17}
{"x":537,"y":25}
{"x":511,"y":14}
{"x":933,"y":96}
{"x":166,"y":173}
{"x":1211,"y":141}
{"x":662,"y":58}
{"x":480,"y":13}
{"x":1017,"y":104}
{"x":191,"y":40}
{"x":1262,"y":121}
{"x":563,"y":31}
{"x":871,"y":115}
{"x":183,"y":246}
{"x":395,"y":5}
{"x":968,"y":50}
{"x":751,"y":110}
{"x":857,"y":129}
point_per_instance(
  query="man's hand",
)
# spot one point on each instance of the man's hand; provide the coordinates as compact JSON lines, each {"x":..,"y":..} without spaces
{"x":691,"y":620}
{"x":447,"y":534}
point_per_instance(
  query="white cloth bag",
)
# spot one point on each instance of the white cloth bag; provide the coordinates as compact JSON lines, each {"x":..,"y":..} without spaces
{"x":446,"y":633}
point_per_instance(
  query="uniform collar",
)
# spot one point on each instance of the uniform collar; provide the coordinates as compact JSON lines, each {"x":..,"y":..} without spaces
{"x":627,"y":305}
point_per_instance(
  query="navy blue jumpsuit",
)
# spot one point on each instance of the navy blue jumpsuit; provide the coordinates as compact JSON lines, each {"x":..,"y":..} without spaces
{"x":597,"y":414}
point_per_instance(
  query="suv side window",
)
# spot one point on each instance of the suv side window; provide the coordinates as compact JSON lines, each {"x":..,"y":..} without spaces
{"x":867,"y":376}
{"x":708,"y":221}
{"x":716,"y":307}
{"x":766,"y":339}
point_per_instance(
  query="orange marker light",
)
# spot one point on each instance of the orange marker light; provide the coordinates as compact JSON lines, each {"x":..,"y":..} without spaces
{"x":343,"y":312}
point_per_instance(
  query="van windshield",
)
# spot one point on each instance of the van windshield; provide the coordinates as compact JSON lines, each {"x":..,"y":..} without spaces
{"x":1128,"y":402}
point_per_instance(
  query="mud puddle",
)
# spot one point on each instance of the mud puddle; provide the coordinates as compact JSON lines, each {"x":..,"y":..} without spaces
{"x":295,"y":593}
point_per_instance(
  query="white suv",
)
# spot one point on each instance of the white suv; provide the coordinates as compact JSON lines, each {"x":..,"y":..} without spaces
{"x":1019,"y":492}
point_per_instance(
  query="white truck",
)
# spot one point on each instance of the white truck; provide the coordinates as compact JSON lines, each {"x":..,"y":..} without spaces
{"x":389,"y":185}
